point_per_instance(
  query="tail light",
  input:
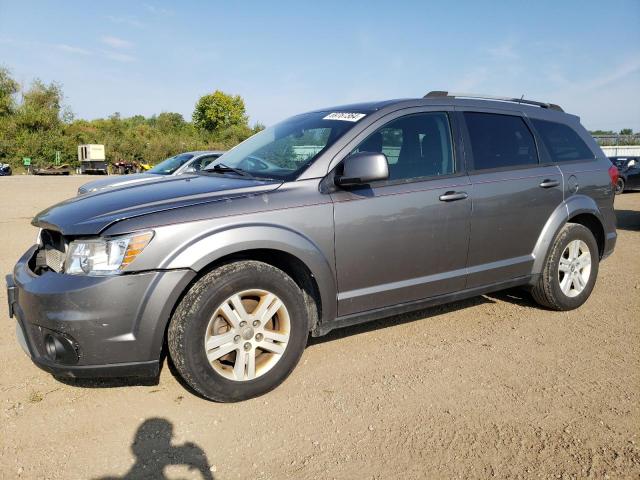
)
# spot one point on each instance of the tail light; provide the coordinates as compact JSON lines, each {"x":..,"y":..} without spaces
{"x":613,"y":175}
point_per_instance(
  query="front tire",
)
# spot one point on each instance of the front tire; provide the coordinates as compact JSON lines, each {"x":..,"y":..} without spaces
{"x":239,"y":331}
{"x":570,"y":271}
{"x":620,"y":186}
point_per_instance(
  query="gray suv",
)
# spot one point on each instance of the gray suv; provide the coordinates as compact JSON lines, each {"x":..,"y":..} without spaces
{"x":327,"y":219}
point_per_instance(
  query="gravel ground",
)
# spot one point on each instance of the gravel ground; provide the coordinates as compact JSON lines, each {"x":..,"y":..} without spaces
{"x":492,"y":386}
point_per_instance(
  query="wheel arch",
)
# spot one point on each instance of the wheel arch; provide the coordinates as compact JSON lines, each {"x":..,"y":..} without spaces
{"x":579,"y":209}
{"x":278,"y":246}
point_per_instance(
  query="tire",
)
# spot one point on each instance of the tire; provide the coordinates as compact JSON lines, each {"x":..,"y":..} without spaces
{"x":205,"y":311}
{"x":620,"y":186}
{"x":548,"y":291}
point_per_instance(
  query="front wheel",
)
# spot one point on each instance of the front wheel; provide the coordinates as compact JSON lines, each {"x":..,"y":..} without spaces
{"x":239,"y":331}
{"x":620,"y":186}
{"x":570,"y":271}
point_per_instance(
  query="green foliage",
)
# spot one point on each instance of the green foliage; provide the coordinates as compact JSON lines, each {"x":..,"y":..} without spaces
{"x":626,"y":131}
{"x":218,"y":111}
{"x":8,"y":88}
{"x":40,"y":124}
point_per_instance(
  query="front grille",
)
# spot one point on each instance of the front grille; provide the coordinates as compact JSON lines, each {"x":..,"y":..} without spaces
{"x":52,"y":252}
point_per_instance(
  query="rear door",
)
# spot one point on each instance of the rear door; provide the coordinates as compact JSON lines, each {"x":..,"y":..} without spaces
{"x":513,"y":195}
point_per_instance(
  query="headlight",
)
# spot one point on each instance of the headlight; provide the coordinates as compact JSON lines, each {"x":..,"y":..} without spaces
{"x":105,"y":256}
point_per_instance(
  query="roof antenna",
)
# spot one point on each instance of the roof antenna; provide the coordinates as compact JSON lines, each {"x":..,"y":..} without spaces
{"x":521,"y":98}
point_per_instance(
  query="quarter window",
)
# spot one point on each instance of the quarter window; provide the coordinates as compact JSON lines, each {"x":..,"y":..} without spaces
{"x":562,"y":141}
{"x":415,"y":146}
{"x":499,"y":141}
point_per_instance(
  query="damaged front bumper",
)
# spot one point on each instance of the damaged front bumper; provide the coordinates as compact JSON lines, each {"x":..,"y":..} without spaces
{"x":93,"y":326}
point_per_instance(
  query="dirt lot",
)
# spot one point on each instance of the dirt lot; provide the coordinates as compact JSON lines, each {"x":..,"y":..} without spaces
{"x":492,"y":386}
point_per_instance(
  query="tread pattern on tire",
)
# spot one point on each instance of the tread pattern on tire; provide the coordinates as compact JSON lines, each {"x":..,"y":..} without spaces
{"x":190,"y":304}
{"x":542,"y":291}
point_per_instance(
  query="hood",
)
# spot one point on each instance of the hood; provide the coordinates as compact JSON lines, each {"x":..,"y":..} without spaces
{"x":118,"y":181}
{"x":89,"y":214}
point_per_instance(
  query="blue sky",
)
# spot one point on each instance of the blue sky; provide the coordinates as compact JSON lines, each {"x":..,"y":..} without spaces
{"x":288,"y":57}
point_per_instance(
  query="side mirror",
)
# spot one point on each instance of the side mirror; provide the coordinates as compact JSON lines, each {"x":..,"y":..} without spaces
{"x":189,"y":169}
{"x":362,"y":168}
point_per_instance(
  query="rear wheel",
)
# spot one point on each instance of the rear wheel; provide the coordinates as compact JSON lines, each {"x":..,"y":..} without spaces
{"x":570,"y":271}
{"x":620,"y":186}
{"x":239,"y":331}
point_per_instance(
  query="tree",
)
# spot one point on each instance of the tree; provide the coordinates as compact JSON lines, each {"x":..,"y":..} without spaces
{"x":169,"y":121}
{"x":218,"y":110}
{"x":8,"y":88}
{"x":41,"y":107}
{"x":626,"y":131}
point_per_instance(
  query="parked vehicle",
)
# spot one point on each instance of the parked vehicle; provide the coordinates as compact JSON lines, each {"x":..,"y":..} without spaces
{"x":5,"y":169}
{"x":52,"y":169}
{"x":126,"y":167}
{"x":188,"y":162}
{"x":328,"y":219}
{"x":92,"y":159}
{"x":628,"y":173}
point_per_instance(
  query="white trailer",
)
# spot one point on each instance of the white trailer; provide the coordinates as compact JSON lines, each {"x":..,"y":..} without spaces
{"x":92,"y":159}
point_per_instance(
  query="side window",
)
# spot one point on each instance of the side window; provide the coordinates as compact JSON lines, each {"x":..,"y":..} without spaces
{"x":202,"y":162}
{"x":416,"y":146}
{"x":563,"y":142}
{"x":500,"y":141}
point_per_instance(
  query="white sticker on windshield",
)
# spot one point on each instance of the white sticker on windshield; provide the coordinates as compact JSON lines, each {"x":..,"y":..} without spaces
{"x":345,"y":116}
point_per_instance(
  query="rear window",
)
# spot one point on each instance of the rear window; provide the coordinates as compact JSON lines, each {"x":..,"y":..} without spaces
{"x":563,"y":142}
{"x":499,"y":141}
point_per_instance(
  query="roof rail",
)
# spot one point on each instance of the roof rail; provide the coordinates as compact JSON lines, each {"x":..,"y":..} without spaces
{"x":440,"y":93}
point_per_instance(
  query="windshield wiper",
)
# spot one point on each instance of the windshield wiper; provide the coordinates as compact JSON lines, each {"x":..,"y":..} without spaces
{"x":221,"y":168}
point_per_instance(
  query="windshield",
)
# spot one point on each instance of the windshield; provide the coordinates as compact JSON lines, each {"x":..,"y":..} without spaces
{"x":284,"y":150}
{"x":170,"y":165}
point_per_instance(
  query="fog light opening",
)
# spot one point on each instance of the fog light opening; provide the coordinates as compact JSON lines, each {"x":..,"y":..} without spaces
{"x":60,"y":349}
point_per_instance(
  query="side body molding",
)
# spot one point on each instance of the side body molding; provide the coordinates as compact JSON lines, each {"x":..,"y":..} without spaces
{"x":214,"y":244}
{"x":574,"y":205}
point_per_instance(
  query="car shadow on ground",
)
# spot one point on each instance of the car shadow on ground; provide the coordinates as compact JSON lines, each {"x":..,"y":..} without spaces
{"x":153,"y":452}
{"x":628,"y":220}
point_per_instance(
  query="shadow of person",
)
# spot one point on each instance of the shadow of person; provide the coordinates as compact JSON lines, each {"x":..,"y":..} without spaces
{"x":154,"y":452}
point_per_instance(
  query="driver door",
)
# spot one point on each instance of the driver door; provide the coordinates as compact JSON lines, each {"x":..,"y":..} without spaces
{"x":406,"y":238}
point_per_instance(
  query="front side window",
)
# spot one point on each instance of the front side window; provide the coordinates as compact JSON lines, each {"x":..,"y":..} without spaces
{"x":202,"y":162}
{"x":499,"y":141}
{"x":562,"y":141}
{"x":416,"y":146}
{"x":284,"y":150}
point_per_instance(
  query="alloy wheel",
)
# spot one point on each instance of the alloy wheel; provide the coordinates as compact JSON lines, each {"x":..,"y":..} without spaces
{"x":247,"y":335}
{"x":574,"y":269}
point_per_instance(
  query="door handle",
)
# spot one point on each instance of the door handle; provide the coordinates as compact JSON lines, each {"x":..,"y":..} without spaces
{"x":549,"y":183}
{"x":453,"y":196}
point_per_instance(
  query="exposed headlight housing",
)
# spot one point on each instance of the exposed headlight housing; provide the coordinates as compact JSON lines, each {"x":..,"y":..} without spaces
{"x":105,"y":256}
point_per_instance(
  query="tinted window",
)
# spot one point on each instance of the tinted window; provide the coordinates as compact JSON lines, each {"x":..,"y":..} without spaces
{"x":563,"y":142}
{"x":500,"y":141}
{"x":202,"y":162}
{"x":415,"y":146}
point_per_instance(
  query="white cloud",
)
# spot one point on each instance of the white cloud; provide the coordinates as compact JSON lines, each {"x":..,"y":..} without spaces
{"x":71,"y":49}
{"x":120,"y":57}
{"x":157,"y":10}
{"x":115,"y":42}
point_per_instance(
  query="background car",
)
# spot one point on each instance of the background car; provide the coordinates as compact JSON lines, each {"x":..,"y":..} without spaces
{"x":628,"y":173}
{"x":187,"y":162}
{"x":5,"y":169}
